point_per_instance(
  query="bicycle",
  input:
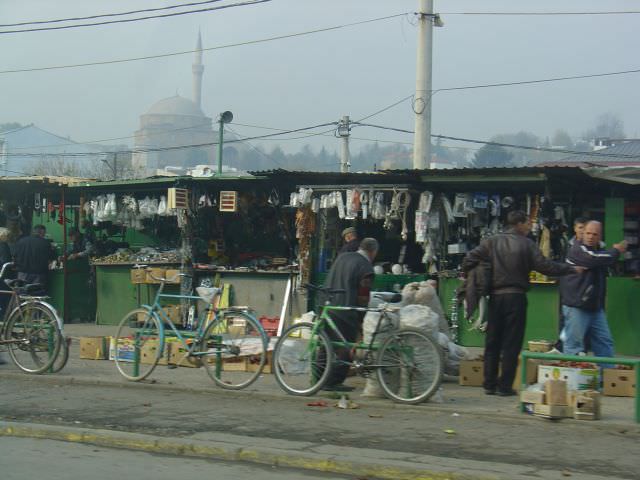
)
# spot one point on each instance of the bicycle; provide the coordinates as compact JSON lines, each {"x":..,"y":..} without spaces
{"x":31,"y":331}
{"x":408,"y":363}
{"x":222,"y":340}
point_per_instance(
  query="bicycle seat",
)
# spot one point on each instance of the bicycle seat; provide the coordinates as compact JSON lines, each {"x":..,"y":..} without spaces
{"x":208,"y":294}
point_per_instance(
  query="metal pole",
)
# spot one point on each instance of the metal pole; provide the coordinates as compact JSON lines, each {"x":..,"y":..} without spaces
{"x":220,"y":139}
{"x":345,"y":164}
{"x":65,"y":272}
{"x":115,"y":166}
{"x":422,"y":102}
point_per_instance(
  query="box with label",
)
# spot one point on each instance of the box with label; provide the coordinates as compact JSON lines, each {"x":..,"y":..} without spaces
{"x":576,"y":378}
{"x":586,"y":405}
{"x":619,"y":383}
{"x":94,"y":348}
{"x":138,"y":275}
{"x":471,"y":373}
{"x":553,"y":411}
{"x":126,"y":349}
{"x":149,"y":351}
{"x":156,"y":272}
{"x":174,"y":314}
{"x":556,"y":392}
{"x":172,"y":275}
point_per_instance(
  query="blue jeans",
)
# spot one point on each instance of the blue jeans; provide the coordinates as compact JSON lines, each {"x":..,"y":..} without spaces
{"x":578,"y":323}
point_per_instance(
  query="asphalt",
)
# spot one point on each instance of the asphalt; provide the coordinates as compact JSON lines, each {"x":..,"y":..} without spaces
{"x":454,"y":400}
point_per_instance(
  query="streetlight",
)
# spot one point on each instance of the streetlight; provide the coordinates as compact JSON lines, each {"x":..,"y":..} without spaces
{"x":225,"y":117}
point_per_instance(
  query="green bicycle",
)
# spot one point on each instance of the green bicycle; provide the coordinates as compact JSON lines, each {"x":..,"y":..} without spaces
{"x":222,"y":341}
{"x":408,"y":363}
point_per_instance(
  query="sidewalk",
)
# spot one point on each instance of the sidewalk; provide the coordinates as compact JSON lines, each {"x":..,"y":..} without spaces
{"x":616,"y":411}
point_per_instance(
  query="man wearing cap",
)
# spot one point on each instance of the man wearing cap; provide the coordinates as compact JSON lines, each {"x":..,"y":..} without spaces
{"x":351,"y":242}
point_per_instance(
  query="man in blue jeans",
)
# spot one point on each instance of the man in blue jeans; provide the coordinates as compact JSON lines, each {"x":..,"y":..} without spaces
{"x":583,"y":296}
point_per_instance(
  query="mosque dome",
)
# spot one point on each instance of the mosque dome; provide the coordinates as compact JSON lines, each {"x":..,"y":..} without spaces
{"x":176,"y":105}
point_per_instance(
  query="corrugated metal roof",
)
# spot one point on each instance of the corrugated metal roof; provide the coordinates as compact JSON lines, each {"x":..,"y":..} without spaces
{"x":51,"y":179}
{"x":622,"y":154}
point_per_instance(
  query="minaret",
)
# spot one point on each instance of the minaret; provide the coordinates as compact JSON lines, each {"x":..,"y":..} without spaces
{"x":197,"y":68}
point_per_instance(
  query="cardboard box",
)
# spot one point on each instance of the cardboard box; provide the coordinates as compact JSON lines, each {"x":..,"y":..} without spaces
{"x":149,"y":351}
{"x":172,"y":273}
{"x":235,"y":364}
{"x":556,"y":392}
{"x":253,"y":362}
{"x":532,"y":396}
{"x":138,"y":275}
{"x":532,"y":372}
{"x":94,"y":348}
{"x":553,"y":411}
{"x":155,"y":272}
{"x":471,"y":373}
{"x":174,"y":314}
{"x":619,"y":383}
{"x":576,"y":378}
{"x":586,"y":405}
{"x":539,"y":345}
{"x":177,"y":357}
{"x":125,"y":349}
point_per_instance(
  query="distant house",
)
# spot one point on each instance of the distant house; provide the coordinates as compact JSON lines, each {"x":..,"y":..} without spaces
{"x":606,"y":153}
{"x":29,"y":149}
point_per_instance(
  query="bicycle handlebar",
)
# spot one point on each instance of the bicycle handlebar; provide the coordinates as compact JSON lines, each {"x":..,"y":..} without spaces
{"x":4,"y":268}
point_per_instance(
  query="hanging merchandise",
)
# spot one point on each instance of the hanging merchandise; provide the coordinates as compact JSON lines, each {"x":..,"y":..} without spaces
{"x":349,"y":215}
{"x":379,"y":209}
{"x":36,"y":202}
{"x":494,"y":206}
{"x":534,"y":216}
{"x":447,"y":209}
{"x":305,"y":229}
{"x":421,"y":225}
{"x":462,"y":205}
{"x":43,"y":205}
{"x":364,"y":200}
{"x":425,"y":202}
{"x":162,"y":206}
{"x":340,"y":204}
{"x":315,"y":205}
{"x":61,"y":216}
{"x":480,"y":200}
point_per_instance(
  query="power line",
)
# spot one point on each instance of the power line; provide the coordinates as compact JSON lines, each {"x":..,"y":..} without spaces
{"x":105,"y":15}
{"x":268,"y":157}
{"x":609,"y":12}
{"x":129,"y":20}
{"x":219,"y":47}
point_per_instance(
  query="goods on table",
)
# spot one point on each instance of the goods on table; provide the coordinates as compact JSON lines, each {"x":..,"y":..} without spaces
{"x":144,"y":255}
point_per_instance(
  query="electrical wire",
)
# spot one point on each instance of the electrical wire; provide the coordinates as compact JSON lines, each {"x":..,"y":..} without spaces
{"x":609,"y":12}
{"x":129,"y":20}
{"x":219,"y":47}
{"x":242,"y":140}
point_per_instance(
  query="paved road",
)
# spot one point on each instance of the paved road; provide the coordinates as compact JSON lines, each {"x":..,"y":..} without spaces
{"x":24,"y":458}
{"x":536,"y":443}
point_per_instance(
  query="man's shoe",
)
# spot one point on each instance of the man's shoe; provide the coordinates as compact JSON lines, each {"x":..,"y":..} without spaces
{"x":507,"y":393}
{"x":489,"y":391}
{"x":338,"y":388}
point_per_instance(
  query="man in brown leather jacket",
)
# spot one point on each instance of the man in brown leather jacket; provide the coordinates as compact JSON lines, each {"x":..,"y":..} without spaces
{"x":512,"y":256}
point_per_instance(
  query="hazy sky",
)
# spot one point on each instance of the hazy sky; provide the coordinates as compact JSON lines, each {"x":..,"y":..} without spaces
{"x":308,"y":80}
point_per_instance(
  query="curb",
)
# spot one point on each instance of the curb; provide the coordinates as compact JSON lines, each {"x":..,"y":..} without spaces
{"x":388,"y":470}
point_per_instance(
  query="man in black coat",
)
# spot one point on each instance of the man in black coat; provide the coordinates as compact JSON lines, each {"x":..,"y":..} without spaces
{"x":33,"y":254}
{"x":351,"y":242}
{"x":511,"y":256}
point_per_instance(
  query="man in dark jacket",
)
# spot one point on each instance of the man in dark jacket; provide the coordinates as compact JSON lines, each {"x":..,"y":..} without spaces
{"x":351,"y":242}
{"x":353,"y":273}
{"x":32,"y":255}
{"x":583,"y":296}
{"x":512,"y":256}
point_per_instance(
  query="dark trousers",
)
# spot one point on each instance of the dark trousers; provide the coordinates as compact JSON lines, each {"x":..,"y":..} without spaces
{"x":349,"y":325}
{"x":505,"y":332}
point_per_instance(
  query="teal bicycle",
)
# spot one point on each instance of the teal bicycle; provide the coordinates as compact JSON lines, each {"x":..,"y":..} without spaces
{"x":223,"y":341}
{"x":407,"y":361}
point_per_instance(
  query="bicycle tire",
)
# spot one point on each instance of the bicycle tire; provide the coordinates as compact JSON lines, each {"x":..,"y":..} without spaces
{"x":409,"y":366}
{"x":234,"y":349}
{"x":35,"y":349}
{"x":295,"y":359}
{"x":63,"y":356}
{"x":140,"y":336}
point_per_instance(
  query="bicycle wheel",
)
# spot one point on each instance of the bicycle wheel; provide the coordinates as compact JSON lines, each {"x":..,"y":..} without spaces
{"x":63,"y":356}
{"x":234,"y":349}
{"x":300,"y":359}
{"x":35,"y":337}
{"x":139,"y":344}
{"x":409,"y":366}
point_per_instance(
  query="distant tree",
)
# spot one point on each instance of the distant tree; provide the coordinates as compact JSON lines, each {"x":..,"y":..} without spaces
{"x":562,"y":139}
{"x":492,"y":156}
{"x":5,"y":127}
{"x":608,"y":125}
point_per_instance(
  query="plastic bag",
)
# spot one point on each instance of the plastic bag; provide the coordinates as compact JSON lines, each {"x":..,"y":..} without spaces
{"x":420,"y":317}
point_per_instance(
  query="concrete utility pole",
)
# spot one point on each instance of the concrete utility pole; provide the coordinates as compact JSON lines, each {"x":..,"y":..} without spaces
{"x":422,"y":102}
{"x":344,"y":130}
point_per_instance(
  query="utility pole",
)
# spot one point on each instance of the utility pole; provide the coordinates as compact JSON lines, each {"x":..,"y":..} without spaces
{"x":344,"y":130}
{"x":115,"y":166}
{"x":422,"y":102}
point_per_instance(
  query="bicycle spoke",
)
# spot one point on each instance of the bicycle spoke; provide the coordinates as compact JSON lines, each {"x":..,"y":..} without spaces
{"x":137,"y":344}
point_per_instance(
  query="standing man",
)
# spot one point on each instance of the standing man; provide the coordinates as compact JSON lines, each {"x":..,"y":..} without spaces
{"x":351,"y":242}
{"x":32,"y":255}
{"x":80,"y":246}
{"x":578,"y":230}
{"x":353,"y":273}
{"x":511,"y":256}
{"x":583,"y":296}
